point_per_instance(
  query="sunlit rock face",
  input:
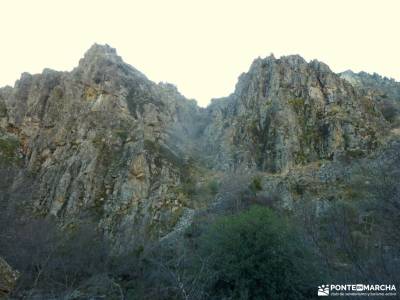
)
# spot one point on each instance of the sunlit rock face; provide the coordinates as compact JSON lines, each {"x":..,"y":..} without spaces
{"x":104,"y":143}
{"x":286,"y":112}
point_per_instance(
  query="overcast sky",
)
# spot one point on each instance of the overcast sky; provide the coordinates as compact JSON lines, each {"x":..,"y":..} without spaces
{"x":201,"y":46}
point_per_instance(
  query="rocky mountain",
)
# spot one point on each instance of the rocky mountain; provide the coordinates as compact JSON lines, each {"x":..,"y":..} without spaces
{"x":105,"y":143}
{"x":101,"y":143}
{"x":285,"y":112}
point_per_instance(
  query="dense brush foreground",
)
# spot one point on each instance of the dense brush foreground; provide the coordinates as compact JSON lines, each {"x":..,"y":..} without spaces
{"x":114,"y":187}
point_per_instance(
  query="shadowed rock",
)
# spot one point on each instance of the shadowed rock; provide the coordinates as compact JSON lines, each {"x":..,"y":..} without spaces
{"x":8,"y":279}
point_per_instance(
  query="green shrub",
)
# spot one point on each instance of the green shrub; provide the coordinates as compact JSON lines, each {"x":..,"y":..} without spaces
{"x":213,"y":186}
{"x":122,"y":134}
{"x":258,"y":255}
{"x":255,"y":185}
{"x":297,"y":104}
{"x":3,"y":109}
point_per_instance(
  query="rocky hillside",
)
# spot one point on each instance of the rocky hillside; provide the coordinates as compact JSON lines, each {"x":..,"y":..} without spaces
{"x":104,"y":143}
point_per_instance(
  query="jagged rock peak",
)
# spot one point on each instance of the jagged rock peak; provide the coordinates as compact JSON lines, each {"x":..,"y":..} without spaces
{"x":100,"y":56}
{"x":292,"y":61}
{"x":104,"y":56}
{"x":102,"y":65}
{"x":349,"y":74}
{"x":289,"y":59}
{"x":286,"y":112}
{"x":101,"y":50}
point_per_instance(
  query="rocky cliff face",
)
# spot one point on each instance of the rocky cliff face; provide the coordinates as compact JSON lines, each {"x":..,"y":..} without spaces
{"x":286,"y":112}
{"x":384,"y":91}
{"x":374,"y":84}
{"x":8,"y":278}
{"x":101,"y":143}
{"x":105,"y":143}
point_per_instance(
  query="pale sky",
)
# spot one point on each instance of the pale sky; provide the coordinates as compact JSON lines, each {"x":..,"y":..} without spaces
{"x":201,"y":46}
